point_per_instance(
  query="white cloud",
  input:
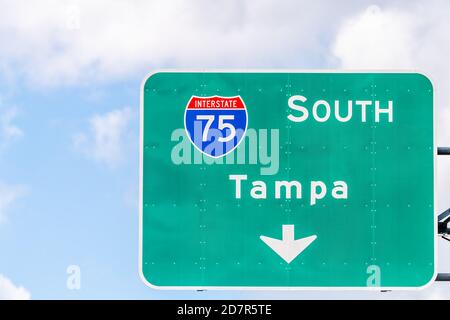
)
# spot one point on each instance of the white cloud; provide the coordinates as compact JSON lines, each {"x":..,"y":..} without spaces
{"x":53,"y":42}
{"x":105,"y":141}
{"x":8,"y":196}
{"x":9,"y":131}
{"x":9,"y":291}
{"x":377,"y":39}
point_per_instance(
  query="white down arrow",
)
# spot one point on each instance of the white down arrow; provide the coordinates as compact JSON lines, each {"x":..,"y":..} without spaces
{"x":288,"y":248}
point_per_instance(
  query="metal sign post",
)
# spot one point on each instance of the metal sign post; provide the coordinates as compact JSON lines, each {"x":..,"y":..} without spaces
{"x":443,"y":221}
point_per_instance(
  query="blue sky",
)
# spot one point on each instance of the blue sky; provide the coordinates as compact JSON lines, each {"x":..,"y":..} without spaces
{"x":70,"y":75}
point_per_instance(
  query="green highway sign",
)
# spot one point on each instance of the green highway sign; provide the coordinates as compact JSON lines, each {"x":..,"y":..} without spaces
{"x":287,"y":179}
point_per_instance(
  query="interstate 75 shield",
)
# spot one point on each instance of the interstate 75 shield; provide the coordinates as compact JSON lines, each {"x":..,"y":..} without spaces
{"x":215,"y":125}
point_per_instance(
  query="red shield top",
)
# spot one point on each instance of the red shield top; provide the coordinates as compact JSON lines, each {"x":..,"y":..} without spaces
{"x":216,"y":102}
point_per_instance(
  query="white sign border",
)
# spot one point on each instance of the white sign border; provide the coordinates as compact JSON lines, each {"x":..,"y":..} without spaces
{"x":274,"y":288}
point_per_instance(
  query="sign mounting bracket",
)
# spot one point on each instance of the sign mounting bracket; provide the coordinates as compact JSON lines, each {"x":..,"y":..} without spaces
{"x":443,"y":220}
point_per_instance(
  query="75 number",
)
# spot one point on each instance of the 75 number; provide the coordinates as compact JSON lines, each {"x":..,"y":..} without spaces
{"x":222,"y":125}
